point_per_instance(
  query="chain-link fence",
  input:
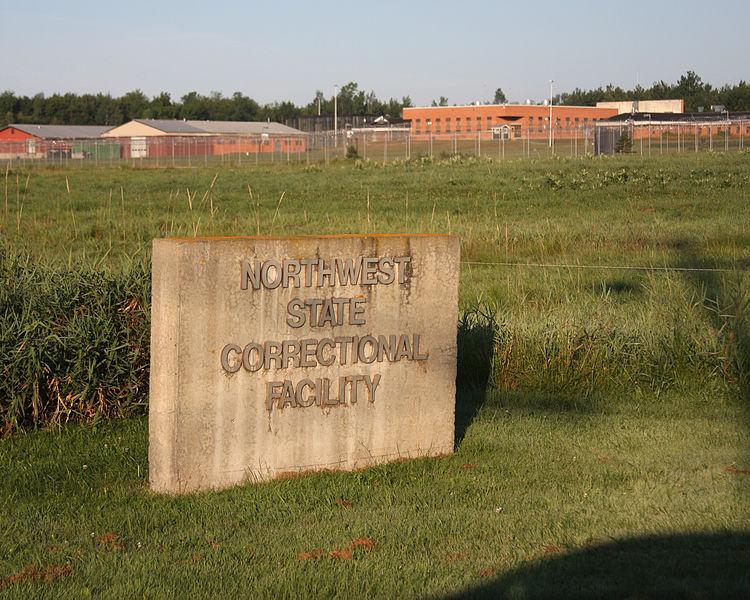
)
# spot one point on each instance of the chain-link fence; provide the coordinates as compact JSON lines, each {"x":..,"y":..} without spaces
{"x":379,"y":144}
{"x":649,"y":138}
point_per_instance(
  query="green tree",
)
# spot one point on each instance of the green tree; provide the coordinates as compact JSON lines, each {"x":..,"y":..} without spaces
{"x":133,"y":105}
{"x":624,"y":144}
{"x":500,"y":96}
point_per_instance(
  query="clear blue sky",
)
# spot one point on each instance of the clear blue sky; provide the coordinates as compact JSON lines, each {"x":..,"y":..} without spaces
{"x":288,"y":49}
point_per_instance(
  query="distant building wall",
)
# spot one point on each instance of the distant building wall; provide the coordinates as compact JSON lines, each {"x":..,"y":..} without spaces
{"x":645,"y":106}
{"x":523,"y":119}
{"x":133,"y":129}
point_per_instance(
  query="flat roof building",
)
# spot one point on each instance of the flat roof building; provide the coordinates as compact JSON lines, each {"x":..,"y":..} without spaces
{"x":645,"y":106}
{"x":513,"y":120}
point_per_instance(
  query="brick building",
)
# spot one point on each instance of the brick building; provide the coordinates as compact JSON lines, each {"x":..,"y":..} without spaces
{"x":510,"y":121}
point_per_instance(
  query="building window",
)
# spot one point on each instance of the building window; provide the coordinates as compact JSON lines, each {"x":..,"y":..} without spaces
{"x":447,"y":124}
{"x":437,"y":125}
{"x":458,"y":124}
{"x":479,"y":123}
{"x":468,"y":123}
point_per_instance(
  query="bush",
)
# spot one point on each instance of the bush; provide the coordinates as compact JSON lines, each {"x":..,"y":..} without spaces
{"x":624,"y":144}
{"x":74,"y":343}
{"x":352,"y":152}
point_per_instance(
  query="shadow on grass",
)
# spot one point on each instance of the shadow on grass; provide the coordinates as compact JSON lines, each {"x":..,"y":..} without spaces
{"x":693,"y":565}
{"x":726,"y":302}
{"x":477,"y":331}
{"x":675,"y":565}
{"x":478,"y":341}
{"x":622,"y":287}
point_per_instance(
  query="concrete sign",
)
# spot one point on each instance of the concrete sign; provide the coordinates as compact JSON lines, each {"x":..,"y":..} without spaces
{"x":271,"y":356}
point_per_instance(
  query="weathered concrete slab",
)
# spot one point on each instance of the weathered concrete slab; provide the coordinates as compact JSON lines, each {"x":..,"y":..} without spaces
{"x":271,"y":356}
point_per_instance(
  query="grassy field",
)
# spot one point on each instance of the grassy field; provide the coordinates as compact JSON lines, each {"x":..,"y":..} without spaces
{"x":602,"y":413}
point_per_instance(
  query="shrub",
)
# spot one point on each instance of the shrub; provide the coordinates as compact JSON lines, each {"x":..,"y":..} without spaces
{"x":624,"y":144}
{"x":74,"y":343}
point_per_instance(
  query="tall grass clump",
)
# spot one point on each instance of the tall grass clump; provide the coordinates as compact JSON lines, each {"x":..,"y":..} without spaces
{"x":666,"y":336}
{"x":74,"y":342}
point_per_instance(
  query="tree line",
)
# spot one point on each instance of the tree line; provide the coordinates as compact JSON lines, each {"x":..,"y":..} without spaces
{"x":104,"y":109}
{"x":690,"y":87}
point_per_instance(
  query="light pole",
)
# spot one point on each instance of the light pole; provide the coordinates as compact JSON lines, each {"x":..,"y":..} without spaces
{"x":551,"y":81}
{"x":335,"y":115}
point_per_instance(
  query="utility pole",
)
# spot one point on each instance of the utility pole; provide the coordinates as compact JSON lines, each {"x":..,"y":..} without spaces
{"x":551,"y":81}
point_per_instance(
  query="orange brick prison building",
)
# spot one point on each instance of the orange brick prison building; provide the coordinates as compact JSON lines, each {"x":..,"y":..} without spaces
{"x":507,"y":121}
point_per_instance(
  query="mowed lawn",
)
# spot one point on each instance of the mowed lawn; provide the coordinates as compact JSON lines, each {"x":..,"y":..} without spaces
{"x":602,"y":413}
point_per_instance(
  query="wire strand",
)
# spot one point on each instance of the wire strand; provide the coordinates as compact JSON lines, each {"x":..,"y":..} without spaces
{"x":603,"y":267}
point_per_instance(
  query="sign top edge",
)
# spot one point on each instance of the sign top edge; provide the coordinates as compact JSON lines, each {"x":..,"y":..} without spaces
{"x":304,"y":237}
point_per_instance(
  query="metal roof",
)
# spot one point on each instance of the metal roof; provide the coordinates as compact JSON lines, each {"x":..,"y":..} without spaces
{"x":62,"y":132}
{"x":170,"y":125}
{"x":654,"y":117}
{"x":175,"y":126}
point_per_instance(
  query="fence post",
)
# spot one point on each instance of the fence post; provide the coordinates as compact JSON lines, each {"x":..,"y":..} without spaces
{"x":640,"y":136}
{"x":528,"y":142}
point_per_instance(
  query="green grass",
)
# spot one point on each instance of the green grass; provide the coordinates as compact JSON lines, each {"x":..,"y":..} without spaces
{"x":602,"y":415}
